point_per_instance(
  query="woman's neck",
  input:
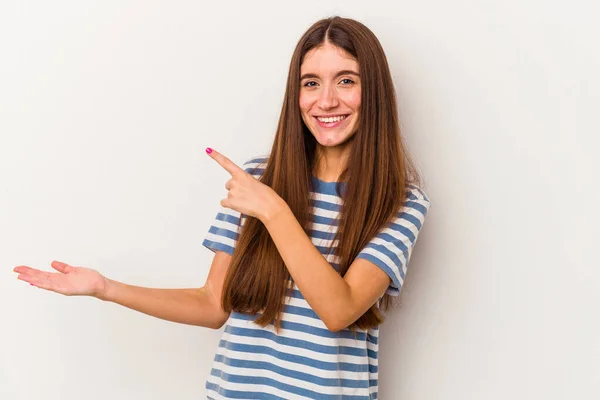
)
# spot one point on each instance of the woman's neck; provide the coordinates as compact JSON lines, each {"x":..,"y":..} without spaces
{"x":330,"y":163}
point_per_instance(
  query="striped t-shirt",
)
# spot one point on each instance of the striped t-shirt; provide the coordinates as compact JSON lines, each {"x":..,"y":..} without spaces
{"x":305,"y":360}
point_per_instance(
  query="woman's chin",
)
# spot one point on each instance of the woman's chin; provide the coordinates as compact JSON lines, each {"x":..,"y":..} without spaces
{"x":331,"y":139}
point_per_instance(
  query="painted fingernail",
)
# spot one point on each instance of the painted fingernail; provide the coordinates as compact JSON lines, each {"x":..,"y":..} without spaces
{"x":208,"y":150}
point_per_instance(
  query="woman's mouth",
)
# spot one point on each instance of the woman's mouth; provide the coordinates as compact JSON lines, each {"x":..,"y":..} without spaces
{"x":331,"y":122}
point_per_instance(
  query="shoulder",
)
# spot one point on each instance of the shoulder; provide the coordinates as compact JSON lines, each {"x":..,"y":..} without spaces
{"x":255,"y":166}
{"x":416,"y":200}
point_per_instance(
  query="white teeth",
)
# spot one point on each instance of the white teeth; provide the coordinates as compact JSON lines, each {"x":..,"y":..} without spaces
{"x":332,"y":119}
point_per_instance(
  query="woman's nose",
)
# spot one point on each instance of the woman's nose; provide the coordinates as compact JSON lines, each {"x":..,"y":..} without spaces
{"x":328,"y":98}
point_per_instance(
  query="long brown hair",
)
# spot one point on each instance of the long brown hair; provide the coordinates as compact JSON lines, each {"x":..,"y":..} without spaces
{"x":376,"y":175}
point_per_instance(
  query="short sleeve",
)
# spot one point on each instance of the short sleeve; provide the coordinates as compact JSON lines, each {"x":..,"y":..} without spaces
{"x":225,"y":229}
{"x":391,"y":248}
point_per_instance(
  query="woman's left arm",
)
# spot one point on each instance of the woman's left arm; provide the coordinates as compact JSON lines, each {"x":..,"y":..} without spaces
{"x":338,"y":301}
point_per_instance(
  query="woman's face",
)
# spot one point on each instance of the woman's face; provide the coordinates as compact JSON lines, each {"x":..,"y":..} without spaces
{"x":330,"y":94}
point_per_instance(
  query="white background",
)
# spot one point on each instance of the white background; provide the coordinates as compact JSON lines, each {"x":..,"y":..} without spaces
{"x":105,"y":111}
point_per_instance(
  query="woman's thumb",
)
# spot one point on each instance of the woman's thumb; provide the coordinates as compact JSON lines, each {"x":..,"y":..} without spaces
{"x":61,"y":267}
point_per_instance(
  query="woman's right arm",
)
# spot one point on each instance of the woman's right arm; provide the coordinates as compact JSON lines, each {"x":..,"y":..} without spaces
{"x":197,"y":306}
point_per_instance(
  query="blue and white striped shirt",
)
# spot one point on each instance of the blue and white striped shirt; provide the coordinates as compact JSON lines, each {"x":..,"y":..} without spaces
{"x":305,"y":360}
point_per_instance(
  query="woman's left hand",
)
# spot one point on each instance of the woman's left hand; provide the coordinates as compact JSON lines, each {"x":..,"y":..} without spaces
{"x":247,"y":194}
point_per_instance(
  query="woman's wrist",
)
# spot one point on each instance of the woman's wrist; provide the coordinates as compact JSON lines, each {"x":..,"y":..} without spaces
{"x":274,"y":210}
{"x":103,"y":291}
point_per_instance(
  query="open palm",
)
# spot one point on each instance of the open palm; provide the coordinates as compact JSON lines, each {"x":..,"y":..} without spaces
{"x":69,"y":280}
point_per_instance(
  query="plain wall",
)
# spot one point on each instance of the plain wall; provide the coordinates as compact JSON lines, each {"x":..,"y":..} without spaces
{"x":105,"y":111}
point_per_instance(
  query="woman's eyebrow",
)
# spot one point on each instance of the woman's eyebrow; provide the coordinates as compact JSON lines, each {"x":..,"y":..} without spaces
{"x":340,"y":73}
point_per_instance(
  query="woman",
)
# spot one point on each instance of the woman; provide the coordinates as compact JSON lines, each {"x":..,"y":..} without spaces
{"x":311,"y":241}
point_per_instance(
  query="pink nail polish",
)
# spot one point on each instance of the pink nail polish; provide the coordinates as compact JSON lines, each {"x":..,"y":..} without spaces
{"x":208,"y":150}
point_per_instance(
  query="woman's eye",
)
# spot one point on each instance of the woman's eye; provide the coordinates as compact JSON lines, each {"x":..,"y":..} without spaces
{"x":310,"y":84}
{"x":347,"y":81}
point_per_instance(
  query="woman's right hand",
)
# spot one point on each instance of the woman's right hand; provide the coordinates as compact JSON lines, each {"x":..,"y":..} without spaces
{"x":69,"y":280}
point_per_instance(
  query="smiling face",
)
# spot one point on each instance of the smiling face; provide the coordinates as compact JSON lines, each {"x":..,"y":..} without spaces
{"x":330,"y":94}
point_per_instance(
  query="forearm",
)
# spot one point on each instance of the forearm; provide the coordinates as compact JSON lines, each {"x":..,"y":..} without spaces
{"x":187,"y":306}
{"x":321,"y":285}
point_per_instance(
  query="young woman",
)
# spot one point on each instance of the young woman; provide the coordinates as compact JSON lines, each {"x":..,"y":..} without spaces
{"x":312,"y":239}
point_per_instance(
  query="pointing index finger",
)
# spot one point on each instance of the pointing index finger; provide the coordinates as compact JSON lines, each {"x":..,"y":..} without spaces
{"x":224,"y":162}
